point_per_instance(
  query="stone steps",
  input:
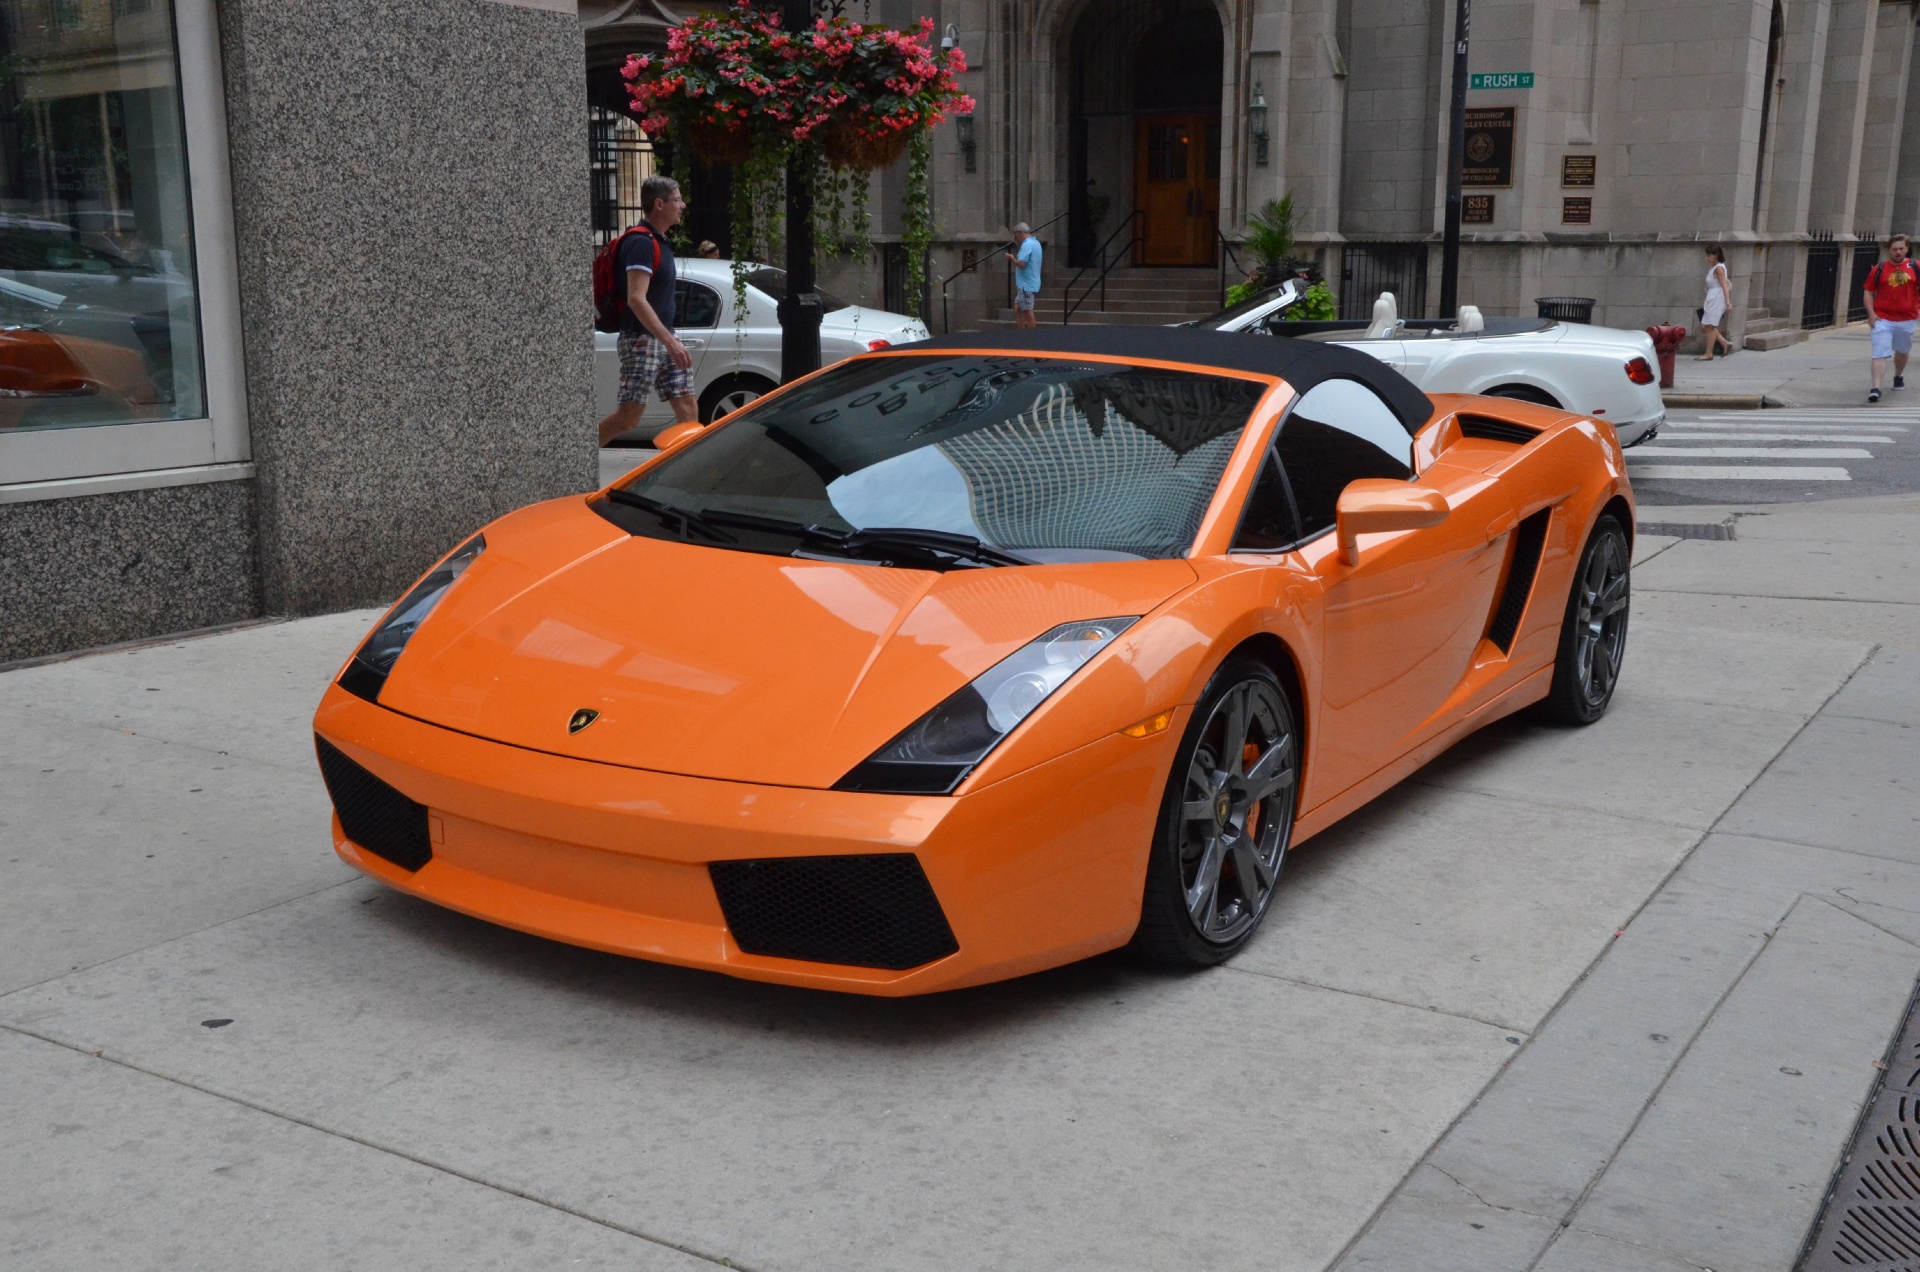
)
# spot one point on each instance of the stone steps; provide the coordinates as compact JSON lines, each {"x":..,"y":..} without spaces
{"x":1765,"y":332}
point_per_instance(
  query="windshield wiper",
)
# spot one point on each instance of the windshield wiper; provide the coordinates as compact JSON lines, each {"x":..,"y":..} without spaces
{"x":689,"y":521}
{"x":963,"y":547}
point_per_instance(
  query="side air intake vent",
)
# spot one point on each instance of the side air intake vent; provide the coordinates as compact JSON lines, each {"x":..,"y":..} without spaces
{"x":1489,"y":430}
{"x":872,"y":910}
{"x":374,"y":815}
{"x":1528,"y":538}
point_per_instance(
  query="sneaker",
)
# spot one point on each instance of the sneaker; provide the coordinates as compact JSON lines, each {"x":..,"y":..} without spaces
{"x":1873,"y":395}
{"x":1899,"y":381}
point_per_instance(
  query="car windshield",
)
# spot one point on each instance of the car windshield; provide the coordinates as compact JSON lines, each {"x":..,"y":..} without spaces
{"x":1045,"y":459}
{"x":1258,"y":300}
{"x":774,"y":282}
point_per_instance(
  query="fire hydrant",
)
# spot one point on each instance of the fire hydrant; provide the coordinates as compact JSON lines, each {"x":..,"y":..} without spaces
{"x":1666,"y":342}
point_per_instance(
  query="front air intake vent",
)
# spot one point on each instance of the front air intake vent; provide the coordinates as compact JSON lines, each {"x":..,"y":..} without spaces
{"x":1528,"y":538}
{"x":872,"y":910}
{"x":1491,"y":430}
{"x":374,"y":815}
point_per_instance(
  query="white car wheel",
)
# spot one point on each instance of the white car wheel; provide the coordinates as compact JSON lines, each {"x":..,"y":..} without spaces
{"x":730,"y":394}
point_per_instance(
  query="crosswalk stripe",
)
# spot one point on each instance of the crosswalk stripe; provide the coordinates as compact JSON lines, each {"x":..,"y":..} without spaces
{"x":1758,"y":426}
{"x":1745,"y":436}
{"x":1755,"y":452}
{"x":1735,"y":472}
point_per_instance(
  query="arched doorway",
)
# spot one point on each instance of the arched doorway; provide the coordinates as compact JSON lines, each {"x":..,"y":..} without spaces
{"x":1144,"y":85}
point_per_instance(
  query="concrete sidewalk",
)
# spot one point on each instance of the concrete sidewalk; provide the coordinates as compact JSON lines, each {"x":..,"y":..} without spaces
{"x":1830,"y":368}
{"x":1540,"y":1002}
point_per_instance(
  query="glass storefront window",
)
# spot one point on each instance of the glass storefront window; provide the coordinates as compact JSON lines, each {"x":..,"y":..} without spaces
{"x":99,"y":311}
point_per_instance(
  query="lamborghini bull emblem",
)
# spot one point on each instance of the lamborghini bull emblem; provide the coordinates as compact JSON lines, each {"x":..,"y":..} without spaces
{"x":581,"y":719}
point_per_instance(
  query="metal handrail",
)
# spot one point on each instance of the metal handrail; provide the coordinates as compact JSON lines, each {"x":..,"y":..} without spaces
{"x":1226,"y":253}
{"x":945,"y":325}
{"x":1138,"y":236}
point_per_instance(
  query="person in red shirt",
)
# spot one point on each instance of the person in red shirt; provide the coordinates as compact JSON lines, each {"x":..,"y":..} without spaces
{"x":1892,"y":292}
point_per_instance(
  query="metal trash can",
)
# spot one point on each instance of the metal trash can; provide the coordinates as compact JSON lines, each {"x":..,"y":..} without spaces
{"x":1566,"y":308}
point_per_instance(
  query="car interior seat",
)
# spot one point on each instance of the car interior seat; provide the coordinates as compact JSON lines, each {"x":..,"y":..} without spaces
{"x":1386,"y":318}
{"x":1470,"y":320}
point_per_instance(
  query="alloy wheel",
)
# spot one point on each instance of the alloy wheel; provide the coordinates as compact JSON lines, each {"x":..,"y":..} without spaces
{"x":1600,"y":620}
{"x":1236,"y":814}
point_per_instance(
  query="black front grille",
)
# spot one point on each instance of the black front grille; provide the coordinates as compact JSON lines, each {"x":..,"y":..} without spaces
{"x":374,"y":815}
{"x":875,"y":910}
{"x":1490,"y":430}
{"x":1528,"y":538}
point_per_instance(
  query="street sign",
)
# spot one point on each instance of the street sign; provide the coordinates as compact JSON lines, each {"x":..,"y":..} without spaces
{"x":1501,"y":79}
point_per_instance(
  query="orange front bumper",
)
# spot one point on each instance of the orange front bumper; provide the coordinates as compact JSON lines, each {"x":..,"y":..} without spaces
{"x":1037,"y":870}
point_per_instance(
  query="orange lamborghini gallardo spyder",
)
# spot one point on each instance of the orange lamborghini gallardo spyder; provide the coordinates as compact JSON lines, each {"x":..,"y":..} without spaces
{"x":978,"y":656}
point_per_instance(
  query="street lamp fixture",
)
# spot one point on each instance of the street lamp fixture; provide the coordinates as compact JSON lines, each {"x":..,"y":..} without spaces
{"x":1257,"y":125}
{"x":963,"y":130}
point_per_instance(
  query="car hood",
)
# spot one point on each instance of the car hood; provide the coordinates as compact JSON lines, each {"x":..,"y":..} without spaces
{"x":723,"y":664}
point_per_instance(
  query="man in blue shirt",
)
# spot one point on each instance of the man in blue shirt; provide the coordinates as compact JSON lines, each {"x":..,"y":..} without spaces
{"x":1025,"y":261}
{"x":651,"y":356}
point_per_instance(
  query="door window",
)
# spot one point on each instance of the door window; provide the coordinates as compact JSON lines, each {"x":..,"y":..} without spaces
{"x":695,"y":305}
{"x":1338,"y":432}
{"x":1166,"y":152}
{"x":1268,"y":524}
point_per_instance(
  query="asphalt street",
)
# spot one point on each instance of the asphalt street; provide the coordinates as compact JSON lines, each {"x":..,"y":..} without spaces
{"x":1787,"y":455}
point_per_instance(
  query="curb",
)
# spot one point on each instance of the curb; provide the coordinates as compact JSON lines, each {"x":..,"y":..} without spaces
{"x":1716,"y":401}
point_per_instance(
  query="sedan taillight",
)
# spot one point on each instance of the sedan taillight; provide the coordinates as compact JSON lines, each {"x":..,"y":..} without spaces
{"x":1639,"y":372}
{"x":877,"y":345}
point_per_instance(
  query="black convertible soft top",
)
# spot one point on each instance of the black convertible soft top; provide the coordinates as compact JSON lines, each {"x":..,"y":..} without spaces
{"x":1301,"y":363}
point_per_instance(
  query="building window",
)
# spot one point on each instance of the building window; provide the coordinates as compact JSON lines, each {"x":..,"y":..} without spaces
{"x":99,"y":312}
{"x":119,"y":335}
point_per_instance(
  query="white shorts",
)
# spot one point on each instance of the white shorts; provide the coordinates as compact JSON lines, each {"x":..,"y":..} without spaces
{"x":1890,"y":337}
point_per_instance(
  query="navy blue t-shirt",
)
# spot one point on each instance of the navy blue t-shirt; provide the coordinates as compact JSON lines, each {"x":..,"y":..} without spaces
{"x":637,"y":250}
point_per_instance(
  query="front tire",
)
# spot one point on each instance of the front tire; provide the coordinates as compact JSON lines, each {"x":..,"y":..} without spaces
{"x":1593,"y":635}
{"x":1225,"y":823}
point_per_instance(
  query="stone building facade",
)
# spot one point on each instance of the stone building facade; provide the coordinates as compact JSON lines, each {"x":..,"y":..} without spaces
{"x":1624,"y":136}
{"x":324,"y":264}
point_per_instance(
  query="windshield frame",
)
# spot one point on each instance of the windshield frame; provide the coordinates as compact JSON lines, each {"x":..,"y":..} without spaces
{"x":1219,"y":519}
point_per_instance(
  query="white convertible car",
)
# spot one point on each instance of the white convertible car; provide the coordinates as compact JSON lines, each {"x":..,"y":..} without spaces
{"x":1597,"y":371}
{"x":734,"y":363}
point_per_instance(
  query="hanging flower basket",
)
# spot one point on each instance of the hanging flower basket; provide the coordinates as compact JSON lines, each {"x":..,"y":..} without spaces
{"x":847,"y":147}
{"x":716,"y":142}
{"x":841,"y":98}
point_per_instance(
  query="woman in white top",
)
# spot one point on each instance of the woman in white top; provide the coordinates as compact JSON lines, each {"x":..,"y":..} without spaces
{"x":1713,"y":315}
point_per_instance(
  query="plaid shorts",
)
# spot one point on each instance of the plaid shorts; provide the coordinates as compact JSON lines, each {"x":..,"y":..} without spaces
{"x":1023,"y":299}
{"x":644,"y":363}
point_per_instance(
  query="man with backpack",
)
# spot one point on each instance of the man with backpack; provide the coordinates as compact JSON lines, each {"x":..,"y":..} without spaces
{"x":634,"y":294}
{"x":1892,"y":293}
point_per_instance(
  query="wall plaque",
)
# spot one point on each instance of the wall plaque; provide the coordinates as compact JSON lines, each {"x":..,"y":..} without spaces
{"x":1576,"y":209}
{"x":1488,"y":161}
{"x":1577,"y":171}
{"x":1476,"y":209}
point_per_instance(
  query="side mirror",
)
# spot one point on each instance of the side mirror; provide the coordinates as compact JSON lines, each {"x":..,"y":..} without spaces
{"x":1376,"y":504}
{"x":676,"y":435}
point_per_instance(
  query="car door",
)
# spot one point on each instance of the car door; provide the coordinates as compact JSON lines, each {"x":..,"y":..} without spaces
{"x":1401,"y":627}
{"x":696,"y":320}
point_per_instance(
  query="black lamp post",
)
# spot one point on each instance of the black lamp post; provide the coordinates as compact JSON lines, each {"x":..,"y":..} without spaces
{"x":800,"y":309}
{"x":1456,"y":145}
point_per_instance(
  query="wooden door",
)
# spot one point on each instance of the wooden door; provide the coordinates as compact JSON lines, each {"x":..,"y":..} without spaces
{"x":1177,"y":185}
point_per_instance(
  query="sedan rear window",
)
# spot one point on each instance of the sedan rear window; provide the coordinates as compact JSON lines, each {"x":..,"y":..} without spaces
{"x":1045,"y":459}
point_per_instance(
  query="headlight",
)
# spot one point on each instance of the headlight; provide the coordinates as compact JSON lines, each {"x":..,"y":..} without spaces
{"x":938,"y":750}
{"x":367,"y":673}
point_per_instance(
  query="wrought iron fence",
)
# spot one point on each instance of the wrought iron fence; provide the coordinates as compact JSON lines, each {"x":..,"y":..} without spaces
{"x":1866,"y":254}
{"x":893,"y":280}
{"x":619,"y":158}
{"x":1367,"y":269}
{"x":1823,"y":279}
